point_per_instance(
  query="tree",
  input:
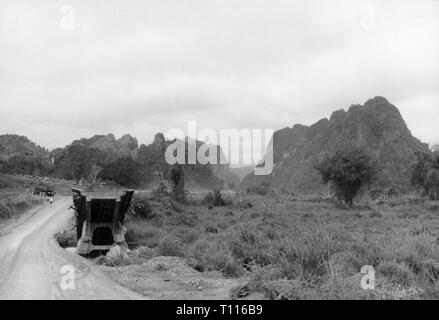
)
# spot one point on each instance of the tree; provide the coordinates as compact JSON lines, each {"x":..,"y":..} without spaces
{"x":123,"y":171}
{"x":348,"y":170}
{"x":177,"y":178}
{"x":93,"y":176}
{"x":425,"y":174}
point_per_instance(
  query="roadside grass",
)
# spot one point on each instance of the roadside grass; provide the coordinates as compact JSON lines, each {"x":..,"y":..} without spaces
{"x":300,"y":248}
{"x":14,"y":198}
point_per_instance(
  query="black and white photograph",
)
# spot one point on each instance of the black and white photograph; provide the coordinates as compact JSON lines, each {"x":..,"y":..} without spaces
{"x":236,"y":151}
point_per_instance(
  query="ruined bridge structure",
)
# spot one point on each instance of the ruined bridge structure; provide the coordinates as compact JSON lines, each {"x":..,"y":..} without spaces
{"x":99,"y":219}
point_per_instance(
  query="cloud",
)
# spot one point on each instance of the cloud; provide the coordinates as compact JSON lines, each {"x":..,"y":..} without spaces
{"x":148,"y":66}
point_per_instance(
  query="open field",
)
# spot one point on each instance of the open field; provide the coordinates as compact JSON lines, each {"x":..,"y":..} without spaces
{"x":14,"y":197}
{"x":284,"y":247}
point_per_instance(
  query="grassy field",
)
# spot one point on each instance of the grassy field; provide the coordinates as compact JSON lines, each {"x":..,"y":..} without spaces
{"x":14,"y":198}
{"x":298,"y":248}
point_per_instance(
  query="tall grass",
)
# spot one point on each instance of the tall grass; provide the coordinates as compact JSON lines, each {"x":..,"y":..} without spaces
{"x":293,"y":249}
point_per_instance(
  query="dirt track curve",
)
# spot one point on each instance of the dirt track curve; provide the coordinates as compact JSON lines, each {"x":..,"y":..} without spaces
{"x":31,"y":261}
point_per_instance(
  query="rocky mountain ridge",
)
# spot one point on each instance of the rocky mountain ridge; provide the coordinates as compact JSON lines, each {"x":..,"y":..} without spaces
{"x":376,"y":126}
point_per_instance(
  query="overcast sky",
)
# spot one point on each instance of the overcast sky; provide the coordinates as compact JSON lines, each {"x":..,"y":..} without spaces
{"x":145,"y":66}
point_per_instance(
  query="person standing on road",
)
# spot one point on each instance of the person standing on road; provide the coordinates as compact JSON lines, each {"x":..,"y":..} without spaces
{"x":51,"y":200}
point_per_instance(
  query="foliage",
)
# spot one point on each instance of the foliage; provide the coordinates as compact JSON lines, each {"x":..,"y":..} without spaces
{"x":425,"y":174}
{"x":177,"y":178}
{"x":214,"y":199}
{"x":123,"y":171}
{"x":348,"y":170}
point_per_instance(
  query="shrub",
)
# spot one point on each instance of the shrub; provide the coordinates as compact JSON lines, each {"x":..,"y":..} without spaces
{"x":177,"y":178}
{"x":142,"y":208}
{"x":218,"y":198}
{"x":214,"y":199}
{"x":162,"y":191}
{"x":348,"y":170}
{"x":425,"y":174}
{"x":208,"y":200}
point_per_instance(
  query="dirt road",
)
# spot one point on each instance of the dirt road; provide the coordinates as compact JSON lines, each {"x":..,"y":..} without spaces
{"x":33,"y":266}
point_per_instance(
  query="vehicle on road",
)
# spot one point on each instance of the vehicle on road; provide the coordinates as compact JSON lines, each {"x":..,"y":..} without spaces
{"x":44,"y":191}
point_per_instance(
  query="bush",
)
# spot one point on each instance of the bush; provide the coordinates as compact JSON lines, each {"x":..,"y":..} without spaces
{"x":208,"y":200}
{"x":348,"y":170}
{"x":142,"y":208}
{"x":218,"y":198}
{"x":214,"y":199}
{"x":425,"y":174}
{"x":162,"y":191}
{"x":177,"y":178}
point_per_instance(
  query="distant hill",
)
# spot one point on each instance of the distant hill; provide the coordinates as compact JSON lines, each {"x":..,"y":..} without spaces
{"x":76,"y":159}
{"x":377,"y":126}
{"x":20,"y":155}
{"x":122,"y":161}
{"x":153,"y":165}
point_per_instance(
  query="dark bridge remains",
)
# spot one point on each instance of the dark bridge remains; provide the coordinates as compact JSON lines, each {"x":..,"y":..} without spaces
{"x":99,"y":219}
